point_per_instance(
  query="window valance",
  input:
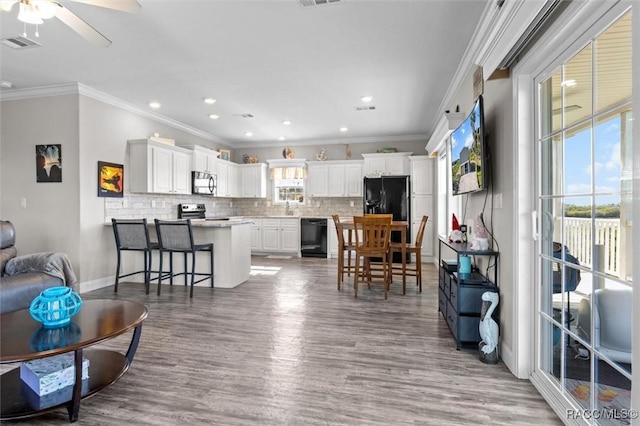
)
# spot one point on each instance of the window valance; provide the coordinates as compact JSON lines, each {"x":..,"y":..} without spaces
{"x":288,"y":168}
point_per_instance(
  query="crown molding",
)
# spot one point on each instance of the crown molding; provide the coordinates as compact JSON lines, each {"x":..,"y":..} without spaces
{"x":498,"y":29}
{"x":81,"y":89}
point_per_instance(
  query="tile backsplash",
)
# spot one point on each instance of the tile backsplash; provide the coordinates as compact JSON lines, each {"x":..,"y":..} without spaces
{"x":158,"y":206}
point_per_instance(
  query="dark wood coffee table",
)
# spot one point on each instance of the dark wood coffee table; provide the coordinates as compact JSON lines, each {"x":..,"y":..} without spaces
{"x":23,"y":339}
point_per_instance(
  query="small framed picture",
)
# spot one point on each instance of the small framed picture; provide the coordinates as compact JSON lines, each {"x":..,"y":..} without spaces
{"x":225,"y":154}
{"x":110,"y":179}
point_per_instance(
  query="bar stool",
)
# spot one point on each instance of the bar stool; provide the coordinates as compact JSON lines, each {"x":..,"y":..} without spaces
{"x":133,"y":235}
{"x":176,"y":236}
{"x":343,"y":247}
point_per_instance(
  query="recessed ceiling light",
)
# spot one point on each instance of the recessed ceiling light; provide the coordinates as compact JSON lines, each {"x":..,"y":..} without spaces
{"x":248,"y":134}
{"x":209,"y":101}
{"x":154,"y":105}
{"x":344,"y":129}
{"x":287,"y":122}
{"x":281,"y":138}
{"x":366,"y":98}
{"x":214,"y":116}
{"x":568,"y":83}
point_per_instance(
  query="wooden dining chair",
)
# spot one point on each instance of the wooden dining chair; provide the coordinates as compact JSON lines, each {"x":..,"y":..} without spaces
{"x":416,"y":248}
{"x":344,"y":247}
{"x":372,"y":241}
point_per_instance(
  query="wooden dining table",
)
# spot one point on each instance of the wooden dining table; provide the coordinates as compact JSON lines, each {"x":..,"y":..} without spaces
{"x":396,"y":226}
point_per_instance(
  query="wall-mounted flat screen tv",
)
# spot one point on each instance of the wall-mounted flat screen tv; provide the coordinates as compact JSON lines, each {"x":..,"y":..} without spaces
{"x":467,"y":152}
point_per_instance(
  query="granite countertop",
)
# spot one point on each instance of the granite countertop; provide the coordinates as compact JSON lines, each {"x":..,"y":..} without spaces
{"x":220,"y":223}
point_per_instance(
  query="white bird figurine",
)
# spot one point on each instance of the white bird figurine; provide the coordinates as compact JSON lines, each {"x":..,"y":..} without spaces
{"x":488,"y":326}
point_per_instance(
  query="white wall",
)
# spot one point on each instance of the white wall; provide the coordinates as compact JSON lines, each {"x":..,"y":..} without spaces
{"x":499,"y":172}
{"x":50,"y":220}
{"x":68,"y":216}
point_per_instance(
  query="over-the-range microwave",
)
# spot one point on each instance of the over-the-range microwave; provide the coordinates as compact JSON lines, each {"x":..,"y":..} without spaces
{"x":203,"y":183}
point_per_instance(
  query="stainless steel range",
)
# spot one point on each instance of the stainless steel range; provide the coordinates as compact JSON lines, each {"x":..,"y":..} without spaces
{"x":191,"y":211}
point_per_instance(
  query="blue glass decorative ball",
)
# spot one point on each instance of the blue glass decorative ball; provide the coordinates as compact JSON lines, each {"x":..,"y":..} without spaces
{"x":55,"y":306}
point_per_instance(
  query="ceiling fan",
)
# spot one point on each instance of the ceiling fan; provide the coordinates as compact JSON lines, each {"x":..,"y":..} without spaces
{"x":35,"y":11}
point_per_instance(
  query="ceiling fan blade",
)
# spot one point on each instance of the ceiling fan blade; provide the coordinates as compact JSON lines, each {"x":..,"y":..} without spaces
{"x":81,"y":27}
{"x":131,"y":6}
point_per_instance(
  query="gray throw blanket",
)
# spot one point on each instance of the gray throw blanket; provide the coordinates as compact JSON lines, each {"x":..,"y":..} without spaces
{"x":54,"y":264}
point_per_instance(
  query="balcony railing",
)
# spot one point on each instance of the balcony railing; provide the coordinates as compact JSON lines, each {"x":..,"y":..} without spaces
{"x":579,"y":235}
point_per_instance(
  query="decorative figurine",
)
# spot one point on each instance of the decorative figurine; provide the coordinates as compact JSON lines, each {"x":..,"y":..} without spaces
{"x":347,"y":152}
{"x":321,"y":156}
{"x":289,"y":153}
{"x":488,"y":328}
{"x":456,"y":234}
{"x":481,"y":242}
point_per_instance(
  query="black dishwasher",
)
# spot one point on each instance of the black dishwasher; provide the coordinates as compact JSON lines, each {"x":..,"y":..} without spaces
{"x":313,"y":237}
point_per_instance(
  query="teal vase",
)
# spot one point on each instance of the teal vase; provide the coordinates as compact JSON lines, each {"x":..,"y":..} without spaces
{"x":55,"y":306}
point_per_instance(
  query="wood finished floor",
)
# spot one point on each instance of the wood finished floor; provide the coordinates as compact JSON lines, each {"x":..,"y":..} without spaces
{"x":287,"y":348}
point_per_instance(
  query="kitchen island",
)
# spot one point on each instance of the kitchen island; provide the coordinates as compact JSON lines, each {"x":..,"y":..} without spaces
{"x":232,"y":249}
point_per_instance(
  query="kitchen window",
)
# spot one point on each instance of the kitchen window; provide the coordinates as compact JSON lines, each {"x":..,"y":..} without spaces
{"x":288,"y":181}
{"x":288,"y":190}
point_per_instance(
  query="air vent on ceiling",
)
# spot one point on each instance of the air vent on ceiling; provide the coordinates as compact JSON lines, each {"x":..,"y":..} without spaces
{"x":19,"y":42}
{"x":306,"y":3}
{"x":245,"y":115}
{"x":365,"y":108}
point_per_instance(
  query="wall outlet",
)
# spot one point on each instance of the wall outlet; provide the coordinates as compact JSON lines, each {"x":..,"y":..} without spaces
{"x":255,"y":204}
{"x":23,"y":202}
{"x":317,"y":203}
{"x":153,"y":203}
{"x":124,"y":203}
{"x":351,"y":204}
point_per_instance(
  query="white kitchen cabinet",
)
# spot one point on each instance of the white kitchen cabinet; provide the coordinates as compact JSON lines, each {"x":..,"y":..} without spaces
{"x":382,"y":164}
{"x":155,"y":167}
{"x":256,"y":235}
{"x":422,"y":184}
{"x":280,"y":235}
{"x":227,"y":173}
{"x":203,"y":159}
{"x":317,"y":179}
{"x":353,"y":181}
{"x":422,"y":180}
{"x":341,"y":178}
{"x":253,"y":180}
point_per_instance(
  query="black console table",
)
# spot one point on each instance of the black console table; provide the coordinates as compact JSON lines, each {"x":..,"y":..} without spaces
{"x":460,"y":295}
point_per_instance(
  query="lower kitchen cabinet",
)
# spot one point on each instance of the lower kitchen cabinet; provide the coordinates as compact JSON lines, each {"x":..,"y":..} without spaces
{"x":256,"y":235}
{"x":278,"y":235}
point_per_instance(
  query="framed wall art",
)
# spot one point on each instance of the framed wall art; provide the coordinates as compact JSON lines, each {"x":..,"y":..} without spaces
{"x":110,"y":179}
{"x":48,"y":163}
{"x":225,"y":154}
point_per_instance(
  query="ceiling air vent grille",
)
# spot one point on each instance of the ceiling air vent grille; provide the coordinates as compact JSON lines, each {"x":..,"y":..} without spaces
{"x":19,"y":42}
{"x":365,"y":108}
{"x":306,"y":3}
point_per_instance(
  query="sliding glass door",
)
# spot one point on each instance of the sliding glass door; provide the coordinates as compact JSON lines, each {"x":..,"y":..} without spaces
{"x":584,"y":203}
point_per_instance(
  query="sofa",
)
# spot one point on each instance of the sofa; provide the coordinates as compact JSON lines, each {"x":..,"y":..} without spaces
{"x":22,"y":278}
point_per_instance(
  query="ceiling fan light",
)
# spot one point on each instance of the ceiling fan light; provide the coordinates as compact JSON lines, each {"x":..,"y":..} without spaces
{"x":46,"y":8}
{"x":6,"y":5}
{"x":29,"y":14}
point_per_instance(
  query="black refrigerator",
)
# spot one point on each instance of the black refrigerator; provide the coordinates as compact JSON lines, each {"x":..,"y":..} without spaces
{"x":389,"y":194}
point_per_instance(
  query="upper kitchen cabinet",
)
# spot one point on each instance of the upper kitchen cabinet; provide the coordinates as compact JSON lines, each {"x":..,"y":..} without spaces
{"x":382,"y":164}
{"x":157,"y":167}
{"x":203,"y":159}
{"x":253,"y":180}
{"x":228,"y":181}
{"x":342,"y":178}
